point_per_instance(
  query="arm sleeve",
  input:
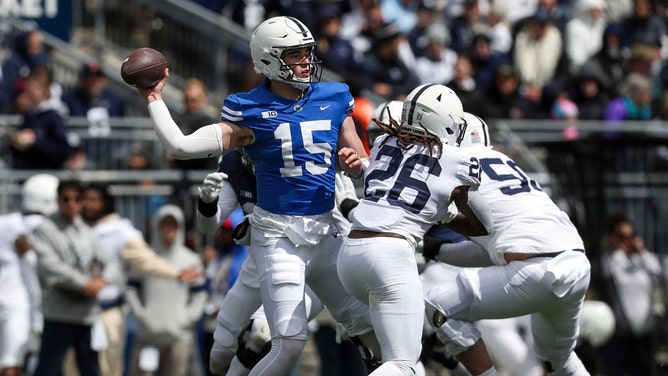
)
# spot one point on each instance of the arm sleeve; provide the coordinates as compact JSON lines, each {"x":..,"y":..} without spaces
{"x":205,"y":142}
{"x":463,"y":254}
{"x":227,"y":202}
{"x":141,"y":257}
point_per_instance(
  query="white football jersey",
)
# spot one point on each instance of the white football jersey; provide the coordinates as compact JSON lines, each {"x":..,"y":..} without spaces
{"x":525,"y":219}
{"x":408,"y":191}
{"x":11,"y":279}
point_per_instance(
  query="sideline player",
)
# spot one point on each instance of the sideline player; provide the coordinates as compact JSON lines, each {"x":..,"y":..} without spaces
{"x":416,"y":173}
{"x":293,"y":128}
{"x":533,"y":263}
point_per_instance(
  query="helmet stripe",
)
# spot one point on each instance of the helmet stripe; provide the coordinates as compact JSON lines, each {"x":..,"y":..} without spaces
{"x":485,"y":131}
{"x":300,"y":25}
{"x":409,"y":118}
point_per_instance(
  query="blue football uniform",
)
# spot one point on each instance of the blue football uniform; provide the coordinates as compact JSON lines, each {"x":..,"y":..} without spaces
{"x":295,"y":144}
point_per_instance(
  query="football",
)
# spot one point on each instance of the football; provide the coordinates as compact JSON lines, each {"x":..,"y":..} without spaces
{"x":144,"y":68}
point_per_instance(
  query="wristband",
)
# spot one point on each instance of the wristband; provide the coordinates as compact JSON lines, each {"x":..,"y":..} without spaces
{"x":207,"y":209}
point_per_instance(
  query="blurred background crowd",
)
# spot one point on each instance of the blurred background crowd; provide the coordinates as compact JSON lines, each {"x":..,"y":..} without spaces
{"x":593,"y":73}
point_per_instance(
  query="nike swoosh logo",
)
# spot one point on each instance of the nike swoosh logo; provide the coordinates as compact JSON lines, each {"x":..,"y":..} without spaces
{"x":322,"y":108}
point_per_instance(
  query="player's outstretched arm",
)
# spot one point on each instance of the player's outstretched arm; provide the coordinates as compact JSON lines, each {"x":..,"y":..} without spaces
{"x":208,"y":141}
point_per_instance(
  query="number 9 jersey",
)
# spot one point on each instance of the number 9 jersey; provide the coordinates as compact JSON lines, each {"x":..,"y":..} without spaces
{"x":408,"y":190}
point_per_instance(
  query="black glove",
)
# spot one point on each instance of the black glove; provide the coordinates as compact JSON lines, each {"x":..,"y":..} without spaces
{"x":431,"y":247}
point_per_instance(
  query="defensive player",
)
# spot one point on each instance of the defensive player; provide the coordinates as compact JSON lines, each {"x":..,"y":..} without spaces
{"x":293,"y":128}
{"x":415,"y":173}
{"x":533,"y":263}
{"x":508,"y":348}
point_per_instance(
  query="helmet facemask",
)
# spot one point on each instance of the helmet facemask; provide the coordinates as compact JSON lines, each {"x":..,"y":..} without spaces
{"x":287,"y":75}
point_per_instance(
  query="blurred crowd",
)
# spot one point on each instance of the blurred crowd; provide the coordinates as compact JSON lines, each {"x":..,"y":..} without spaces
{"x":531,"y":59}
{"x":506,"y":59}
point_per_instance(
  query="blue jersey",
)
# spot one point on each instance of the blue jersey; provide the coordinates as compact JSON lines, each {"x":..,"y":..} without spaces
{"x":240,"y":177}
{"x":295,"y":144}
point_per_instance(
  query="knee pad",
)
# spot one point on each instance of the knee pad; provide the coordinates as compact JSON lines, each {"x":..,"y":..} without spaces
{"x":286,"y":289}
{"x":254,"y":342}
{"x":572,"y":366}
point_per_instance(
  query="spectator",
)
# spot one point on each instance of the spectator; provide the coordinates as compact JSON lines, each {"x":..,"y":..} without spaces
{"x":549,"y":7}
{"x":166,"y":310}
{"x":195,"y":115}
{"x":464,"y":27}
{"x":500,"y":30}
{"x":630,"y":273}
{"x":438,"y":64}
{"x":465,"y":86}
{"x":27,"y":53}
{"x":645,"y":26}
{"x":124,"y":243}
{"x":360,"y":25}
{"x":588,"y":94}
{"x":485,"y":61}
{"x":427,"y":13}
{"x":386,"y":73}
{"x":584,"y":32}
{"x":41,"y":140}
{"x":20,"y":302}
{"x":608,"y":65}
{"x":73,"y":269}
{"x":538,"y":51}
{"x":401,"y":13}
{"x":93,"y":99}
{"x":635,"y":101}
{"x":504,"y":101}
{"x":336,"y":52}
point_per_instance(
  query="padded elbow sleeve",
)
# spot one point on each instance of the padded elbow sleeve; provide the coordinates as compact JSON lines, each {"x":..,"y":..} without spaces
{"x":205,"y":142}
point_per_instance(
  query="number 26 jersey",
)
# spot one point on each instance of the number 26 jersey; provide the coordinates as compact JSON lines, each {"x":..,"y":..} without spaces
{"x":408,"y":191}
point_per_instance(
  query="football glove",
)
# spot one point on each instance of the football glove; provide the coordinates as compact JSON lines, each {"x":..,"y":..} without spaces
{"x":431,"y":247}
{"x":211,"y":186}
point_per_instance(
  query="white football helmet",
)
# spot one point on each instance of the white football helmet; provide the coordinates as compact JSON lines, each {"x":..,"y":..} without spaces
{"x":382,"y":113}
{"x":434,"y":110}
{"x":39,"y":194}
{"x":269,"y":43}
{"x":477,"y":132}
{"x":597,"y":322}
